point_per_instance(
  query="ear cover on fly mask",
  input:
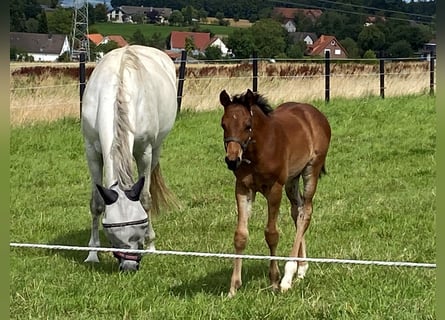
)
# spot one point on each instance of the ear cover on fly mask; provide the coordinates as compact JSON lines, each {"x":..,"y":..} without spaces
{"x":134,"y":193}
{"x":109,"y":196}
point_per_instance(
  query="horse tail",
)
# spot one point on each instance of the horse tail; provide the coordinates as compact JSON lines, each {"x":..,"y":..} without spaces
{"x":161,"y":195}
{"x":121,"y":152}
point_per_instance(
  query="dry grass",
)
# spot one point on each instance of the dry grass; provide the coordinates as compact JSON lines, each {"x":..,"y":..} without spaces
{"x":48,"y":91}
{"x":281,"y":82}
{"x":241,"y":23}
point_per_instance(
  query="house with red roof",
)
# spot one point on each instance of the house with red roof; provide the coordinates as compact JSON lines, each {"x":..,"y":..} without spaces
{"x":327,"y":43}
{"x":179,"y":40}
{"x":287,"y":16}
{"x":99,"y":39}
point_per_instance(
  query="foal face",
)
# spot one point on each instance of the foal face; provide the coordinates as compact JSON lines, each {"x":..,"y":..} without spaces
{"x":237,"y":125}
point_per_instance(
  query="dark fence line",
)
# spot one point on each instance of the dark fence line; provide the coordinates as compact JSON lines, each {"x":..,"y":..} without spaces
{"x":254,"y":60}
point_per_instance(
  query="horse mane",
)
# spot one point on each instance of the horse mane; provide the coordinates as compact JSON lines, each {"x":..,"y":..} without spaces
{"x":120,"y":151}
{"x":259,"y":101}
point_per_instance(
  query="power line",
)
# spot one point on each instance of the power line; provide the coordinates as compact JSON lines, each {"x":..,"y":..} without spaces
{"x":374,"y":8}
{"x":344,"y":11}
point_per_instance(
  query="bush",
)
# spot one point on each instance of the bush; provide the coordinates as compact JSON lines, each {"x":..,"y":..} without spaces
{"x":370,"y":54}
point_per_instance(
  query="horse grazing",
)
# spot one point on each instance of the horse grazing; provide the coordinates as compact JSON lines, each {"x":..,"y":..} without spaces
{"x":267,"y":149}
{"x":129,"y":107}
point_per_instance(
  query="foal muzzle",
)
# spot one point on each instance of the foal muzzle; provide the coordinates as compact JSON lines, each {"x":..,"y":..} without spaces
{"x":233,"y":164}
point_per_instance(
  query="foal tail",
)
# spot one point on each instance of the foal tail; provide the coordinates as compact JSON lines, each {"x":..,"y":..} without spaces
{"x":161,"y":195}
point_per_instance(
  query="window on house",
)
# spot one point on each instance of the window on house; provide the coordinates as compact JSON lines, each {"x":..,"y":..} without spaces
{"x":337,"y":51}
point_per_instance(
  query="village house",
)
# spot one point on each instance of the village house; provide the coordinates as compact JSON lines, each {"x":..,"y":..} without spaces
{"x":287,"y":16}
{"x":308,"y":37}
{"x":201,"y":41}
{"x":41,"y":46}
{"x":128,"y":14}
{"x":327,"y":43}
{"x":99,"y":40}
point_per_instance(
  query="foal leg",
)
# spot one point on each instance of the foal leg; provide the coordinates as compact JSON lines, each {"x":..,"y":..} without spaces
{"x":304,"y":213}
{"x":244,"y":198}
{"x":271,"y":233}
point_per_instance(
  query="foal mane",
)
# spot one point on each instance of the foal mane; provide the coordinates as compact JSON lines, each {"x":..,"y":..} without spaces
{"x":121,"y":152}
{"x":259,"y":101}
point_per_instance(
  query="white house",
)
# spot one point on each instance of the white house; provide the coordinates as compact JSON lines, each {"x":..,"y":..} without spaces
{"x":41,"y":46}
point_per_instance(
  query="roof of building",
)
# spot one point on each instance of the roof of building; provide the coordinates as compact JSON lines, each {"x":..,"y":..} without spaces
{"x":290,"y":13}
{"x":37,"y":42}
{"x":121,"y":42}
{"x":166,"y":12}
{"x":300,"y":36}
{"x":318,"y":47}
{"x":96,"y":38}
{"x":200,"y":39}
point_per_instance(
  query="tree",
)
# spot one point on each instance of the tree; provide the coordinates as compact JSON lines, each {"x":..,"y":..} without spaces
{"x":371,"y":38}
{"x":100,"y":13}
{"x":269,"y":38}
{"x":369,"y":54}
{"x":189,"y":13}
{"x":351,"y":47}
{"x":176,"y":18}
{"x":138,"y":38}
{"x":32,"y":25}
{"x":213,"y":53}
{"x":156,"y":41}
{"x":107,"y":47}
{"x":241,"y":43}
{"x":189,"y":45}
{"x":43,"y":23}
{"x":60,"y":21}
{"x":152,"y":16}
{"x":400,"y":49}
{"x":296,"y":50}
{"x":20,"y":11}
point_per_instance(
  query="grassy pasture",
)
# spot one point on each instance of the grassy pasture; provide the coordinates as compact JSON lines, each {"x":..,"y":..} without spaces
{"x":376,"y":203}
{"x":127,"y":30}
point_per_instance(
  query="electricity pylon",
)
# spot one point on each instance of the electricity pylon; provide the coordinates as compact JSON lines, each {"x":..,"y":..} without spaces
{"x":79,"y":39}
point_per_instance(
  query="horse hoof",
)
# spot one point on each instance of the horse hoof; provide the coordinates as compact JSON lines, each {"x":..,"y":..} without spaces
{"x":302,"y":271}
{"x":232,"y":293}
{"x":285,"y":286}
{"x":92,"y":257}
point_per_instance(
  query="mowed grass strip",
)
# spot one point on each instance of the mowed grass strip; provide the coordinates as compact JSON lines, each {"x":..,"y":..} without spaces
{"x":376,"y":203}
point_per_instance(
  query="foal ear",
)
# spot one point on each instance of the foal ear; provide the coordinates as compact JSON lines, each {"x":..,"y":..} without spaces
{"x":224,"y":98}
{"x":109,"y":196}
{"x":134,"y":193}
{"x":250,"y":98}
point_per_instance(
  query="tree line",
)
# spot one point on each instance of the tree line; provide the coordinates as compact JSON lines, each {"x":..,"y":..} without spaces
{"x":393,"y":33}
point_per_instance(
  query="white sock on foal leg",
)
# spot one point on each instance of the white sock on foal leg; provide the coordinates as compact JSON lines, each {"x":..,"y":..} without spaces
{"x":289,"y":270}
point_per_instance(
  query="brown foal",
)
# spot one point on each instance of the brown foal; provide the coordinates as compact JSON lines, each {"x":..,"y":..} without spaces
{"x":268,"y":149}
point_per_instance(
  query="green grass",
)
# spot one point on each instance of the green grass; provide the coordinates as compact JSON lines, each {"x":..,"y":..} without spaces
{"x":127,"y":30}
{"x":376,"y":203}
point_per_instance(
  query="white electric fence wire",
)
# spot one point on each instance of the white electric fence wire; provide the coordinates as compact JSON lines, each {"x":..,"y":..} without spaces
{"x":226,"y":255}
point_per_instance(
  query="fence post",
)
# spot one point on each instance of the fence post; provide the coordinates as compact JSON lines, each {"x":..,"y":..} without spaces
{"x":181,"y":78}
{"x":382,"y":78}
{"x":255,"y":71}
{"x":327,"y":73}
{"x":81,"y":78}
{"x":431,"y":58}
